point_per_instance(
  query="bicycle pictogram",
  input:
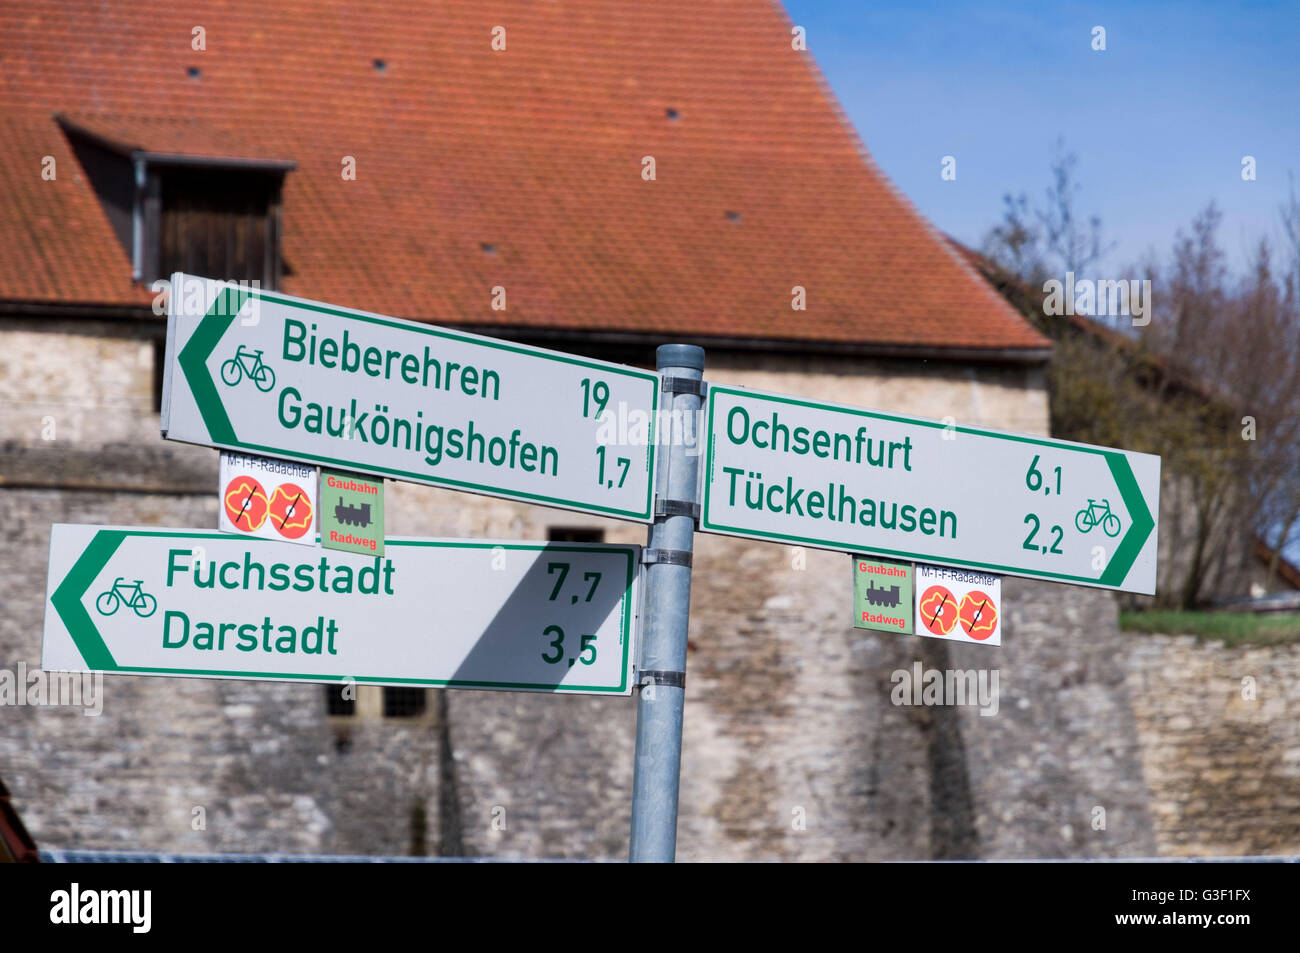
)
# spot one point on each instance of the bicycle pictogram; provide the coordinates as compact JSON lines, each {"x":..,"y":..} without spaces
{"x":250,"y":363}
{"x":134,"y":597}
{"x":1097,"y":514}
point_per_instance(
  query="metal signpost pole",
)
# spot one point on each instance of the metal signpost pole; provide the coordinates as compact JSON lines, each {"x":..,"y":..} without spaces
{"x":667,"y":606}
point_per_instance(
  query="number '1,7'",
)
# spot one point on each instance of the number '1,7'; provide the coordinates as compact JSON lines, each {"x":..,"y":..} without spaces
{"x":623,"y":462}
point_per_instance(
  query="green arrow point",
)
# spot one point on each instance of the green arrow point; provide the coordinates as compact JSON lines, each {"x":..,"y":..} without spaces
{"x":68,"y":603}
{"x":1140,"y":526}
{"x":194,"y":362}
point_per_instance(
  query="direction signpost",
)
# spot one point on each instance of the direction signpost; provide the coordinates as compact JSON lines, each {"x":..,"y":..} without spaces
{"x":259,"y":372}
{"x":539,"y":617}
{"x":265,"y":373}
{"x":815,"y":474}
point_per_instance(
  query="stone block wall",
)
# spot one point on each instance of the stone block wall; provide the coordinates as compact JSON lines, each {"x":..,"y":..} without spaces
{"x":1219,"y":729}
{"x":793,"y":747}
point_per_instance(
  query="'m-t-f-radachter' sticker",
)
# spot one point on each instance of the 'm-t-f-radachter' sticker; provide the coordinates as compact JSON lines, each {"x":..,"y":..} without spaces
{"x":958,"y":604}
{"x":271,"y":499}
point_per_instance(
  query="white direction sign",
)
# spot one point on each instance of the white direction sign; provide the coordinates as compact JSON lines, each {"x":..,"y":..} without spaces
{"x":264,"y":373}
{"x":834,"y":477}
{"x":544,"y":617}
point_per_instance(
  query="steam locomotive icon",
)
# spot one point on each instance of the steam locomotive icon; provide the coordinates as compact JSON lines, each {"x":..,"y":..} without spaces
{"x":882,"y":596}
{"x":352,"y":515}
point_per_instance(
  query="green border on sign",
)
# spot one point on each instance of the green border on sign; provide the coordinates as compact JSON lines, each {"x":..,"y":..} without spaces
{"x":1116,"y":571}
{"x":68,"y":595}
{"x":212,"y":327}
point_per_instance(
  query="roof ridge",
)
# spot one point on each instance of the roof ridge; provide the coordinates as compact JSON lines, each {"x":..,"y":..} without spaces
{"x":523,"y":169}
{"x":935,"y":234}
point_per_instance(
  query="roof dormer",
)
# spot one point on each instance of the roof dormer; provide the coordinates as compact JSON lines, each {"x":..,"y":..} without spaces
{"x":182,"y":196}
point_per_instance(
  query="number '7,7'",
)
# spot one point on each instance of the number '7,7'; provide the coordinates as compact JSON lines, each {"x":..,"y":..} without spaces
{"x":559,"y":583}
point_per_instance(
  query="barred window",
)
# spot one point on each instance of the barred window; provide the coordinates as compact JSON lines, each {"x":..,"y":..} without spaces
{"x":336,"y":704}
{"x":404,"y":702}
{"x":575,"y":534}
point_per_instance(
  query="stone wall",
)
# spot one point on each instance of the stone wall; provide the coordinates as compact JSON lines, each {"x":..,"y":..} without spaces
{"x":82,"y":384}
{"x":258,"y":757}
{"x":1220,"y":736}
{"x":793,"y":747}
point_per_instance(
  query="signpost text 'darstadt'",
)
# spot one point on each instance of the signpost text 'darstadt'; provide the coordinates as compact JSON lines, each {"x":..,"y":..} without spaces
{"x":551,"y":617}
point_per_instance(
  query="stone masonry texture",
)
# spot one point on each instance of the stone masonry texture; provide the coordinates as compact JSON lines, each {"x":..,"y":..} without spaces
{"x":793,"y":747}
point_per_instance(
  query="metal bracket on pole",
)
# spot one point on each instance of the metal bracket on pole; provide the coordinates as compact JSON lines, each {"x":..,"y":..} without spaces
{"x":678,"y":508}
{"x":685,"y":385}
{"x":668,"y":558}
{"x":671,"y":679}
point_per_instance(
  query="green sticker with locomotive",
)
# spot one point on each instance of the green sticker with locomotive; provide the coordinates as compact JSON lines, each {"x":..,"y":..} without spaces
{"x":882,"y":595}
{"x":351,"y":512}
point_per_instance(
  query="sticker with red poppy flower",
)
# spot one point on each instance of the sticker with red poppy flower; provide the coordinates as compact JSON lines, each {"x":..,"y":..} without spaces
{"x":271,"y":499}
{"x":959,"y":605}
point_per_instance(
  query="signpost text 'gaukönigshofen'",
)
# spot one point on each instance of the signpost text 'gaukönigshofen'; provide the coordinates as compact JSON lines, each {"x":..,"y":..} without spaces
{"x":265,"y":373}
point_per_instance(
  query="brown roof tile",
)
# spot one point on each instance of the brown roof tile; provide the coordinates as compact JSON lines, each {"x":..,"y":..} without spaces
{"x":478,"y":168}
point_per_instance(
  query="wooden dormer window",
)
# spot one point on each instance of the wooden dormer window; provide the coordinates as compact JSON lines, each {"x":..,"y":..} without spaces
{"x":213,"y":221}
{"x":186,"y":210}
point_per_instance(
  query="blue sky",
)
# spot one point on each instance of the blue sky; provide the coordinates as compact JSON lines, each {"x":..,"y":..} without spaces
{"x":1160,"y":120}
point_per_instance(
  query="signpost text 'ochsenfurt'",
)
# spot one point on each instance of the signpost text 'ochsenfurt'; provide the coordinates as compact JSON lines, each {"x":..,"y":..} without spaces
{"x":811,"y":473}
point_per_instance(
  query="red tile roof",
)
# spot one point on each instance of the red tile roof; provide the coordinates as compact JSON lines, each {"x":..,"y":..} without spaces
{"x":477,"y":168}
{"x":185,"y":136}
